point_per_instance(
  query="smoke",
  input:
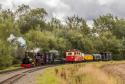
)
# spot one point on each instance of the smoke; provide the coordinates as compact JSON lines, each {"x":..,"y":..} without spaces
{"x":17,"y":40}
{"x":21,"y":41}
{"x":11,"y":38}
{"x":36,"y":50}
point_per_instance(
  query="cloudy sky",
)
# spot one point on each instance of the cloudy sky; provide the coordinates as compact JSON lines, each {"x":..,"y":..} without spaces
{"x":88,"y":9}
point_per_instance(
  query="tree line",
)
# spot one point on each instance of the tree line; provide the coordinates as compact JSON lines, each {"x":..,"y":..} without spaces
{"x":107,"y":33}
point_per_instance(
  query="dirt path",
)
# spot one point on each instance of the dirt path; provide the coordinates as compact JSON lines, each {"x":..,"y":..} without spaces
{"x":117,"y":70}
{"x":4,"y":76}
{"x":30,"y":78}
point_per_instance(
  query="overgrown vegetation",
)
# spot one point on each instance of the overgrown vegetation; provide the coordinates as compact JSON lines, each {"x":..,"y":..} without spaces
{"x":87,"y":73}
{"x":13,"y":67}
{"x":107,"y":33}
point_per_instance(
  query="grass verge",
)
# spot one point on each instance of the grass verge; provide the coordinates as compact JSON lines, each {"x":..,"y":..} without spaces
{"x":13,"y":67}
{"x":81,"y":73}
{"x":48,"y":77}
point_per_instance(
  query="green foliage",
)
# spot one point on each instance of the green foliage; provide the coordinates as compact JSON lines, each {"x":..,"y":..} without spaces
{"x":45,"y":40}
{"x":104,"y":23}
{"x":30,"y":18}
{"x":37,"y":38}
{"x":108,"y":42}
{"x":119,"y":29}
{"x":5,"y":54}
{"x":107,"y":33}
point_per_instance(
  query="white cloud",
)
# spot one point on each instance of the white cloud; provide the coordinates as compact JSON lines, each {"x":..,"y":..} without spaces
{"x":52,"y":3}
{"x":103,"y":2}
{"x":88,"y":9}
{"x":12,"y":3}
{"x":55,"y":8}
{"x":18,"y":2}
{"x":6,"y":3}
{"x":61,"y":10}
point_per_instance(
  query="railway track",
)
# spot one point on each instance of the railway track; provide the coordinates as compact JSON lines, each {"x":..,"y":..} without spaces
{"x":9,"y":71}
{"x":16,"y":77}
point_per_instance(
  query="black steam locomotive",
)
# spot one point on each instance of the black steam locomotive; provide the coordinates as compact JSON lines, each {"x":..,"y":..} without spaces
{"x":36,"y":59}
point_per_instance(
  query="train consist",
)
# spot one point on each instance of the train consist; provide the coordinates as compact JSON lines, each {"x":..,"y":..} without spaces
{"x":78,"y":56}
{"x":40,"y":58}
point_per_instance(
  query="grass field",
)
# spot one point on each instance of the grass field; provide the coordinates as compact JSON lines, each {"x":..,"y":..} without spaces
{"x":13,"y":67}
{"x":80,"y":73}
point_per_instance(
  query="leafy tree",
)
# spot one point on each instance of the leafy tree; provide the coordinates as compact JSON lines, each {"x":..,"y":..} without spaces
{"x":119,"y":28}
{"x":54,"y":24}
{"x":30,"y":18}
{"x":5,"y":54}
{"x":104,"y":23}
{"x":107,"y":42}
{"x":7,"y":24}
{"x":77,"y":23}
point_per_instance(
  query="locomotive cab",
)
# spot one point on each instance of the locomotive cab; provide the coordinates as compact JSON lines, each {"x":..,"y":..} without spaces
{"x":26,"y":62}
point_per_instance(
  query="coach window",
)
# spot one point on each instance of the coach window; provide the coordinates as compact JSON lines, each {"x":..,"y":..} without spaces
{"x":70,"y":53}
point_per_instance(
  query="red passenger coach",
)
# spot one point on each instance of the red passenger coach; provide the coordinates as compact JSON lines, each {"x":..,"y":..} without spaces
{"x":73,"y":56}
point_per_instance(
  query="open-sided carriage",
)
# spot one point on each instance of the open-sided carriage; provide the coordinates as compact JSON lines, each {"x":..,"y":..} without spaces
{"x":106,"y":56}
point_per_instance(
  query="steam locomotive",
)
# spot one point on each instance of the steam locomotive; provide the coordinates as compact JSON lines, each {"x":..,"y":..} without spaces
{"x":32,"y":59}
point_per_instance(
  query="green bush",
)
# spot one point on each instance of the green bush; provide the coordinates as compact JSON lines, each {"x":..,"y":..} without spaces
{"x":5,"y":54}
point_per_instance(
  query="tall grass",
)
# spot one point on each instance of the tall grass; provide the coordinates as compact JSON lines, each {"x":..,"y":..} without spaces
{"x":83,"y":73}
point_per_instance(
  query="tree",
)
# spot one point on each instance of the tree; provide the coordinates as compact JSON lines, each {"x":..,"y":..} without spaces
{"x":7,"y":24}
{"x":30,"y":18}
{"x":107,"y":42}
{"x":5,"y":54}
{"x":54,"y":24}
{"x":104,"y":23}
{"x":119,"y":29}
{"x":78,"y":24}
